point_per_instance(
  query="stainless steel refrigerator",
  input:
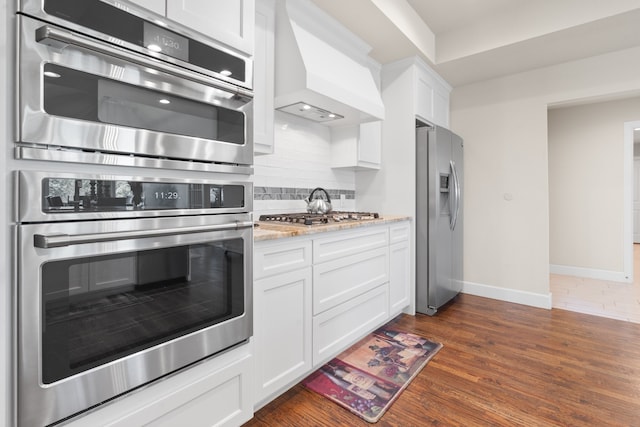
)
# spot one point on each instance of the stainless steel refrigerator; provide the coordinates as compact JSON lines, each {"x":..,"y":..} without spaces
{"x":439,"y":217}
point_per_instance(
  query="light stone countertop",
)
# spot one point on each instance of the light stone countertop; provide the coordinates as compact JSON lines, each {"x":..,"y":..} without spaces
{"x":271,"y":230}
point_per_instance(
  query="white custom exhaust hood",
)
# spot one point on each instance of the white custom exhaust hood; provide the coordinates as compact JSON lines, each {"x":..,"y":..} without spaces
{"x":316,"y":80}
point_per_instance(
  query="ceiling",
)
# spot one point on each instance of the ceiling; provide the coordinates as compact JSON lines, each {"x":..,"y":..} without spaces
{"x":467,"y":41}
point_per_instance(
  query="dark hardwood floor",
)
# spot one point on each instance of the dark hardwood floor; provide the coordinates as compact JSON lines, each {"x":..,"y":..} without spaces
{"x":502,"y":364}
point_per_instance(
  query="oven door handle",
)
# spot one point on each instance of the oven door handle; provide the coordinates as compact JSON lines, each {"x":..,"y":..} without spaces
{"x":61,"y":240}
{"x":60,"y":39}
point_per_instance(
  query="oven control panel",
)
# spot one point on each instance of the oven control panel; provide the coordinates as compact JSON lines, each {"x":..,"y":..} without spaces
{"x":64,"y":196}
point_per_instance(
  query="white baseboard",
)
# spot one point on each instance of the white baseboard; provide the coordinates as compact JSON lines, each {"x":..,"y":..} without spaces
{"x":590,"y":273}
{"x":509,"y":295}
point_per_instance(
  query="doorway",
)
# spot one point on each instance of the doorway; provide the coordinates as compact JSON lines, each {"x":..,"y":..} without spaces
{"x":596,"y":285}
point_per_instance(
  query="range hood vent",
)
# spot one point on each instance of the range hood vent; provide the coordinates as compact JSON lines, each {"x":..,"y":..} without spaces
{"x":310,"y":112}
{"x":335,"y":84}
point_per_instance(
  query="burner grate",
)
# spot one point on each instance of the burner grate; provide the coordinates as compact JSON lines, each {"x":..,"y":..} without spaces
{"x":319,"y":219}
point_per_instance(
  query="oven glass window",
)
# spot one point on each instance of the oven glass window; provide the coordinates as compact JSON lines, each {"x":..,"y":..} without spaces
{"x":103,"y":308}
{"x":79,"y":95}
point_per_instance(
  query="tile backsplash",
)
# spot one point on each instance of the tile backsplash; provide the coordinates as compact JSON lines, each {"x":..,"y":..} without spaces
{"x":301,"y":162}
{"x":291,"y":193}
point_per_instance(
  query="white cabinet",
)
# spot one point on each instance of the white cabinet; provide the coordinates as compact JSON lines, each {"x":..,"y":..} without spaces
{"x":216,"y":392}
{"x":316,"y":295}
{"x":282,"y":315}
{"x":431,"y":96}
{"x":399,"y":267}
{"x":264,"y":78}
{"x":228,"y":21}
{"x":419,"y":87}
{"x":357,"y":147}
{"x":350,"y":288}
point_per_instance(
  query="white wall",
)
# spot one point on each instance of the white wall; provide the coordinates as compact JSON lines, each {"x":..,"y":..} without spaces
{"x":504,"y":124}
{"x":301,"y":159}
{"x":586,"y":197}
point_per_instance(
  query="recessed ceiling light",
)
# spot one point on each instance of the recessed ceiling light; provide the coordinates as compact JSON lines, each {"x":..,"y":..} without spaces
{"x":306,"y":107}
{"x":226,"y":73}
{"x":154,"y":48}
{"x":51,"y":74}
{"x":164,"y":101}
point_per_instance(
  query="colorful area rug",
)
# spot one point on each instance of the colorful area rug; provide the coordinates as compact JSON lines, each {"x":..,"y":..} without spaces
{"x":368,"y":377}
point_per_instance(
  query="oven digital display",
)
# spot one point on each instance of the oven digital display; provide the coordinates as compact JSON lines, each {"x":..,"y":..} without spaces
{"x":165,"y":196}
{"x":160,"y":40}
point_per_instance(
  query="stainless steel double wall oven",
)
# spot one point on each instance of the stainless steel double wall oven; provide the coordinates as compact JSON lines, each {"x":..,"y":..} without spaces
{"x":127,"y":275}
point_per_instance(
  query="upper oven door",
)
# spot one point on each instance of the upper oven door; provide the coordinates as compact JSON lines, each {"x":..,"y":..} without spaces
{"x":80,"y":93}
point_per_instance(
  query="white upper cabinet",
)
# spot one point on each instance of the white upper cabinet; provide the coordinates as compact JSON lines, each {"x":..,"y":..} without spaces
{"x":227,"y":21}
{"x":422,"y":90}
{"x":431,"y":96}
{"x":357,"y":147}
{"x":263,"y":78}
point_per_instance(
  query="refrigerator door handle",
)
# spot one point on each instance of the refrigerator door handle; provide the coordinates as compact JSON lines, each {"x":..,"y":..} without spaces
{"x":456,"y":195}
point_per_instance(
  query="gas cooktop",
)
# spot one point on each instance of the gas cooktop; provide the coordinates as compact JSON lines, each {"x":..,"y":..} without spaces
{"x":319,"y":219}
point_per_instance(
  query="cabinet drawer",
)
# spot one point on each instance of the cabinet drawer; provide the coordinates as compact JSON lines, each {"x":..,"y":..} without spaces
{"x":340,"y":280}
{"x":337,"y":328}
{"x":345,"y":244}
{"x":400,"y":232}
{"x":273,"y":258}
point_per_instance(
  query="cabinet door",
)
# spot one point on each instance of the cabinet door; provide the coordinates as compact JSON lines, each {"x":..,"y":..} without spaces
{"x":263,"y":78}
{"x":441,"y":108}
{"x":228,"y":21}
{"x":157,"y":6}
{"x":424,"y":96}
{"x":399,"y":277}
{"x":357,"y":147}
{"x":282,"y":331}
{"x":370,"y":145}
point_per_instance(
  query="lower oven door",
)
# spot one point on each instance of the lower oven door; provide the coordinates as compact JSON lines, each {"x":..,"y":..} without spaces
{"x":107,"y":306}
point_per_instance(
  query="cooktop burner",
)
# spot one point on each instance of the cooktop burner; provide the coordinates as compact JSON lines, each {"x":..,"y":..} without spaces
{"x":318,"y":219}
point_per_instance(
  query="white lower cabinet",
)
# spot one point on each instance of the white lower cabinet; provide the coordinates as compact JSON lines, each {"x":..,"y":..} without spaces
{"x":316,"y":295}
{"x":217,"y":392}
{"x":399,"y":267}
{"x":282,"y":293}
{"x":282,"y":330}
